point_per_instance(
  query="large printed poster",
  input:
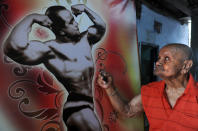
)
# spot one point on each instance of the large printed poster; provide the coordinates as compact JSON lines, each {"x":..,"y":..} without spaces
{"x":51,"y":54}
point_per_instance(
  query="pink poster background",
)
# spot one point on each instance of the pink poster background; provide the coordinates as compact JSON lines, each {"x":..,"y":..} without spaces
{"x":31,"y":99}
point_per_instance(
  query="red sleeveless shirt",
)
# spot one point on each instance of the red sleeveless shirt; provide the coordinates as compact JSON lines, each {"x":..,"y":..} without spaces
{"x":162,"y":117}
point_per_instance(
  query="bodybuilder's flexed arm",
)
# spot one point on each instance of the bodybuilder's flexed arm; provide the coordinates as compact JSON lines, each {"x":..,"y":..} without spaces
{"x":130,"y":109}
{"x":20,"y":49}
{"x":96,"y":31}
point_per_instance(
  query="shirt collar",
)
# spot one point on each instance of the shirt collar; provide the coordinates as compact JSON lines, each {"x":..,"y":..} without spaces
{"x":162,"y":85}
{"x":191,"y":87}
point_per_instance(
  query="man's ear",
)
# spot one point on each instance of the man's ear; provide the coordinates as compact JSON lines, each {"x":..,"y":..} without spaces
{"x":187,"y":66}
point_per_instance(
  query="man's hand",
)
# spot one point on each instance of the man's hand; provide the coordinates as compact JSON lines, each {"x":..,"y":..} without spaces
{"x":104,"y":80}
{"x":78,"y":9}
{"x":42,"y":20}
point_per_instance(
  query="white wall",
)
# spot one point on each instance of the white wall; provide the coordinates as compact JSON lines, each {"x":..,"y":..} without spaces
{"x":172,"y":31}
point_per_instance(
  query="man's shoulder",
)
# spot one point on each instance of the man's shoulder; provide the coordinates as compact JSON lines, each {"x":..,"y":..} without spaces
{"x":155,"y":84}
{"x":152,"y":88}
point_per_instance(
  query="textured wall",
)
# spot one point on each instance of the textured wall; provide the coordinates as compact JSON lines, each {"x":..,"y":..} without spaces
{"x":172,"y":31}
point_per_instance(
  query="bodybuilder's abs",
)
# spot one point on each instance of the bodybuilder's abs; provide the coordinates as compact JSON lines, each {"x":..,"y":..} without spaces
{"x":73,"y":66}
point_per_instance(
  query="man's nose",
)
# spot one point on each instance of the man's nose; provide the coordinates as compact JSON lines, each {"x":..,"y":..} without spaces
{"x":75,"y":23}
{"x":159,"y":63}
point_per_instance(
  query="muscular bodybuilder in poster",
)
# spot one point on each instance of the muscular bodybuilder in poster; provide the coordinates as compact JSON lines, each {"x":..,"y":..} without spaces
{"x":68,"y":57}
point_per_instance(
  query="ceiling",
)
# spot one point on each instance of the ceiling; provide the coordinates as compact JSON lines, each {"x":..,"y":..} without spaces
{"x":181,"y":10}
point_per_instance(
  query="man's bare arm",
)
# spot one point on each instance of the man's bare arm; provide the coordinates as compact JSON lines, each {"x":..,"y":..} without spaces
{"x":131,"y":109}
{"x":20,"y":49}
{"x":96,"y":31}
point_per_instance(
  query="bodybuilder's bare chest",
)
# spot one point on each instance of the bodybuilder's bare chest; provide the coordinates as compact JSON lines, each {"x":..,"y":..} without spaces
{"x":73,"y":52}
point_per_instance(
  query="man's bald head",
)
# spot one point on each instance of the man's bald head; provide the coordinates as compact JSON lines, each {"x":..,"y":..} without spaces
{"x":52,"y":13}
{"x":185,"y":50}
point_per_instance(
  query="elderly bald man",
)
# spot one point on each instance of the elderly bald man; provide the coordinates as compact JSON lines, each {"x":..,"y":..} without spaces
{"x":170,"y":104}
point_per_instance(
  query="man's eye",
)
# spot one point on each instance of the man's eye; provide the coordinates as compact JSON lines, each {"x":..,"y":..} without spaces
{"x":72,"y":20}
{"x":166,"y":58}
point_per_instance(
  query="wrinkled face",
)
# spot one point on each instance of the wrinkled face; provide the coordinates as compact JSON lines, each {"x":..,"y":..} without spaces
{"x":70,"y":26}
{"x":169,"y":63}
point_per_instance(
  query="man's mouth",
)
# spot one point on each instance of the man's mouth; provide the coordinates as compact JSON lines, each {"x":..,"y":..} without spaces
{"x":159,"y":68}
{"x":77,"y":28}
